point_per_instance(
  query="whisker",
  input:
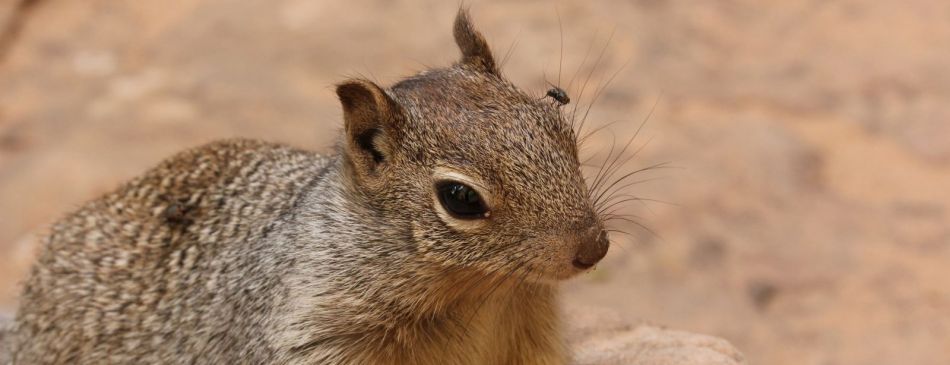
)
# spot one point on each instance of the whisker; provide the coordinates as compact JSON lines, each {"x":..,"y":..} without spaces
{"x":638,"y":224}
{"x":635,"y":135}
{"x":610,"y":171}
{"x":619,"y":231}
{"x":638,"y":199}
{"x":590,"y":75}
{"x":598,"y":129}
{"x":590,"y":47}
{"x":603,"y":167}
{"x":618,"y":202}
{"x":627,"y":185}
{"x":597,"y":93}
{"x":626,"y":176}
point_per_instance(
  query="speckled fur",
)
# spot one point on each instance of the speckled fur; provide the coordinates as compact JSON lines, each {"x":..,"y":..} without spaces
{"x":248,"y":252}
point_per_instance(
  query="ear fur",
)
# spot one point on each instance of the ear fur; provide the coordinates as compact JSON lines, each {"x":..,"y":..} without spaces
{"x":371,"y":121}
{"x":475,"y":50}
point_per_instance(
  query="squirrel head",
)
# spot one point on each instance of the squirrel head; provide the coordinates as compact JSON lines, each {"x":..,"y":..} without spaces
{"x":470,"y":169}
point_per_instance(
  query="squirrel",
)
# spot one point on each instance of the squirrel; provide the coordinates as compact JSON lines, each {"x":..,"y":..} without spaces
{"x":435,"y":233}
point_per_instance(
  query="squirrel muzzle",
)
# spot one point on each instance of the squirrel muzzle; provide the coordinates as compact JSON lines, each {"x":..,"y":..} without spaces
{"x":591,"y":249}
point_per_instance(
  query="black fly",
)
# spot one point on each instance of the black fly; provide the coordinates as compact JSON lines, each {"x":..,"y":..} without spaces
{"x":559,"y":95}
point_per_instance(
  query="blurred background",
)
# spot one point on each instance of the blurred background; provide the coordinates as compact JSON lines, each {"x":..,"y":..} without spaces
{"x":811,"y":138}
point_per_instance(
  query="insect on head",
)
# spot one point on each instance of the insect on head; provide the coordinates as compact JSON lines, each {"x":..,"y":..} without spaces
{"x":559,"y":96}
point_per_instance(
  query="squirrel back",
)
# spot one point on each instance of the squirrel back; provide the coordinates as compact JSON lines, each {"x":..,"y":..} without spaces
{"x":169,"y":258}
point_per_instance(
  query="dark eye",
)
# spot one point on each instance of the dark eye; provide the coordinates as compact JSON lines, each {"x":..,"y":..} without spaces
{"x":460,"y":200}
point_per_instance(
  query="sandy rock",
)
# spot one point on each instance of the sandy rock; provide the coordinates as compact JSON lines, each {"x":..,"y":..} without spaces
{"x":600,"y":337}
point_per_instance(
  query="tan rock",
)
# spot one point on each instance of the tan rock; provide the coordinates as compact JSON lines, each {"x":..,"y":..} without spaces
{"x":600,"y":337}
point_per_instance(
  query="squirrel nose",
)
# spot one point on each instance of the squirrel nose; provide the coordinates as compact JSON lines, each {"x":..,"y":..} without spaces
{"x":591,"y":251}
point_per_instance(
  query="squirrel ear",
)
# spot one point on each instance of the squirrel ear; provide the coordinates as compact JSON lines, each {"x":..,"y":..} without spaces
{"x":475,"y":50}
{"x":370,"y":117}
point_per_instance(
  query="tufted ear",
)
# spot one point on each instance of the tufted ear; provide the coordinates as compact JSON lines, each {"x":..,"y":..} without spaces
{"x":475,"y":50}
{"x":371,"y":121}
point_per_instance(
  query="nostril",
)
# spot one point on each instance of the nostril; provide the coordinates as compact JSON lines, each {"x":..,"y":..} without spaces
{"x":582,"y":265}
{"x":590,"y":252}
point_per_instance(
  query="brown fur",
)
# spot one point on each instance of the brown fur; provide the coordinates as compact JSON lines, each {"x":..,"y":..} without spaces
{"x":248,"y":252}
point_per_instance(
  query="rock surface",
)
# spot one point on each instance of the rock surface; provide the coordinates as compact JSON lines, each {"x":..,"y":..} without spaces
{"x":600,"y":337}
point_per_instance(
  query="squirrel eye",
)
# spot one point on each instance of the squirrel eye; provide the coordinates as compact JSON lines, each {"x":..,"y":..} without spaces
{"x":460,"y":200}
